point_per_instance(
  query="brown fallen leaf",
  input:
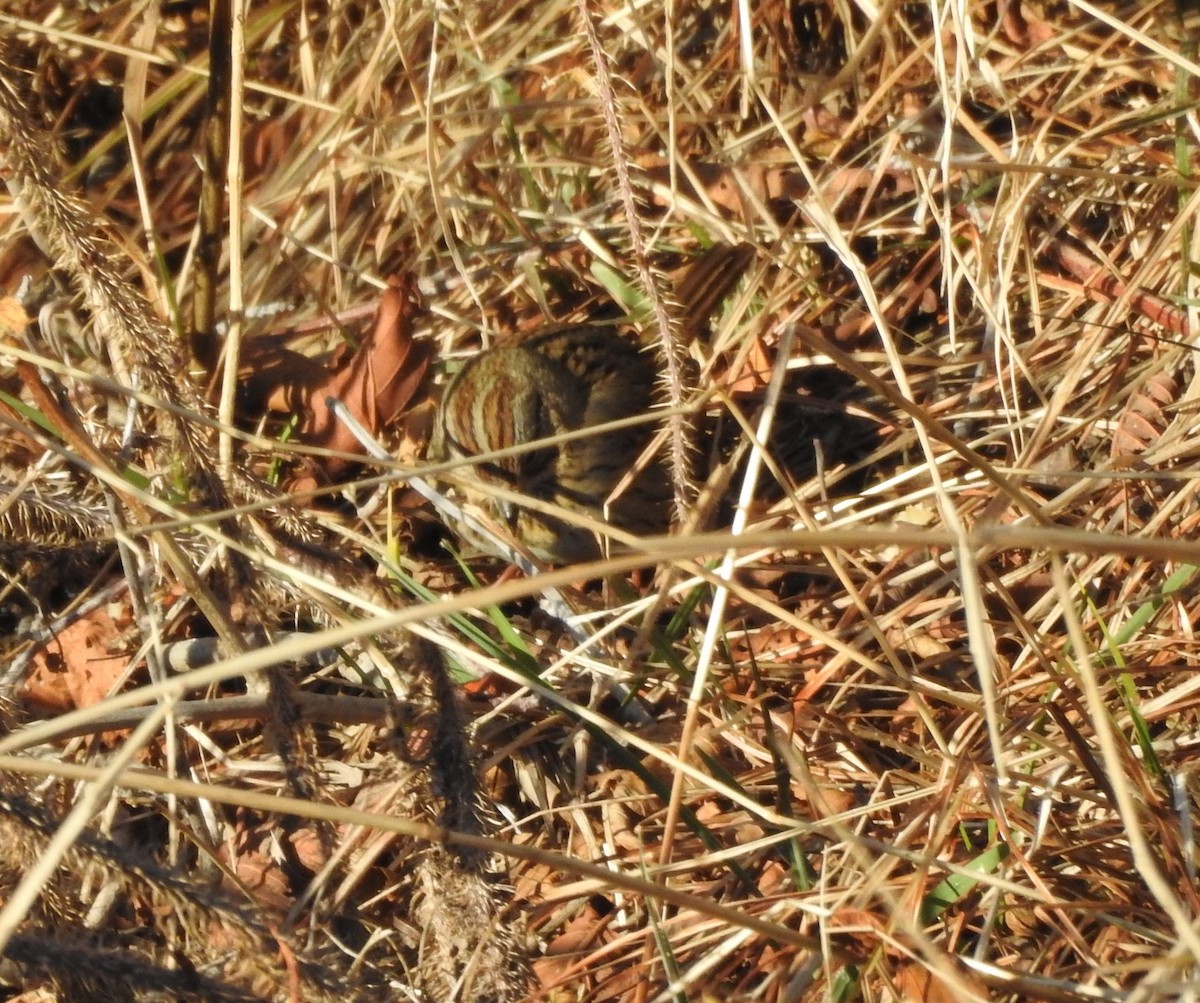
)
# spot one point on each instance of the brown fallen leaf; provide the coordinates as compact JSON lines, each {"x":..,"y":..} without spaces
{"x":78,"y":668}
{"x":917,"y":984}
{"x":756,"y":370}
{"x":375,"y":383}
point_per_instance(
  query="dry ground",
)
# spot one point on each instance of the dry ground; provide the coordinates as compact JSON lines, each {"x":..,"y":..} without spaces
{"x":923,"y":733}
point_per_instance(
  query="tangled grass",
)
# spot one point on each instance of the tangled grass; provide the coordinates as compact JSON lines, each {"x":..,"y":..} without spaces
{"x":919,"y":706}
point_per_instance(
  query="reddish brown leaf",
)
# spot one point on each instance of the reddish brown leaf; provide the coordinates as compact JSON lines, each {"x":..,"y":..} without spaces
{"x":78,"y":669}
{"x":919,"y":985}
{"x":375,"y":384}
{"x":1024,"y":28}
{"x":258,"y":866}
{"x":756,"y":370}
{"x":13,"y":318}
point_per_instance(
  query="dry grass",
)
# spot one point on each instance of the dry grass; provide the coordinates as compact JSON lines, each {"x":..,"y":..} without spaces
{"x":925,"y":732}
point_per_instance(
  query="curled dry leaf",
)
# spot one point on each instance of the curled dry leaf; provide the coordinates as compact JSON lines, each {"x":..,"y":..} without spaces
{"x":375,"y":382}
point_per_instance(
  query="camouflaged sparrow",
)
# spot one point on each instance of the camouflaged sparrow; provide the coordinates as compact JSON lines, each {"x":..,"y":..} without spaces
{"x":558,"y":381}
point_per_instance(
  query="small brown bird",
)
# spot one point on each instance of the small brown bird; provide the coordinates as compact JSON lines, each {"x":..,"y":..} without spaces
{"x":558,"y":381}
